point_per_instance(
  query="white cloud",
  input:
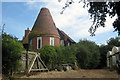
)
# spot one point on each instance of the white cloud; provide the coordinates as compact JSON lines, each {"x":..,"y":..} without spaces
{"x":108,"y":26}
{"x":75,"y":19}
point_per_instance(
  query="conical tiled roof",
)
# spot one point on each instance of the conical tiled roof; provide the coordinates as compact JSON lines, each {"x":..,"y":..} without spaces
{"x":44,"y":24}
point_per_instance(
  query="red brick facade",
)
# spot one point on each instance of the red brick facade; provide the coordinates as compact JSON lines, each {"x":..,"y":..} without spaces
{"x":45,"y":28}
{"x":45,"y":41}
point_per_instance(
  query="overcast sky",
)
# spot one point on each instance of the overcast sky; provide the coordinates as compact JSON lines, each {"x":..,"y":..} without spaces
{"x":75,"y":21}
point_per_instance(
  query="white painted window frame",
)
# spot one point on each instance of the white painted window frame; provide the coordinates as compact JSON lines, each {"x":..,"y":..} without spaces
{"x":68,"y":44}
{"x":52,"y":38}
{"x":62,"y":42}
{"x":41,"y":42}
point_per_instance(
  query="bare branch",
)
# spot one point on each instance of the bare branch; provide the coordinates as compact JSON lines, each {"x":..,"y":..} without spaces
{"x":3,"y":28}
{"x":67,"y":4}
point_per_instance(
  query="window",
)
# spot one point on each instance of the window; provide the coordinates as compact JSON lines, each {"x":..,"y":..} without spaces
{"x":52,"y":41}
{"x":68,"y":44}
{"x":30,"y":42}
{"x":39,"y":42}
{"x":62,"y":42}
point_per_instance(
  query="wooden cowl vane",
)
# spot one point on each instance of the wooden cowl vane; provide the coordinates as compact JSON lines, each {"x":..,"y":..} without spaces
{"x":44,"y":31}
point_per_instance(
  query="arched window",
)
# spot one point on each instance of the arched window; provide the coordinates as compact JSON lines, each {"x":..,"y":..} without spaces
{"x":39,"y":42}
{"x":52,"y":41}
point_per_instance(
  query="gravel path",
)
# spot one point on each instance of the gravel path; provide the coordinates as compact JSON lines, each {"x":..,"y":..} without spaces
{"x":100,"y":73}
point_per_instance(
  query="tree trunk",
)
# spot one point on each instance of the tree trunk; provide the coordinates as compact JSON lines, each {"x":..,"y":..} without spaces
{"x":11,"y":72}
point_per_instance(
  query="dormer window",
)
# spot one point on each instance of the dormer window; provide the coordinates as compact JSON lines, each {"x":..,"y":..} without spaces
{"x":52,"y":41}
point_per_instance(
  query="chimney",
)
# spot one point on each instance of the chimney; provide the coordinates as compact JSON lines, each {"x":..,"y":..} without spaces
{"x":27,"y":32}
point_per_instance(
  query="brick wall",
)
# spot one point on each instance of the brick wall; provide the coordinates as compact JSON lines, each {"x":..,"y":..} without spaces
{"x":45,"y":41}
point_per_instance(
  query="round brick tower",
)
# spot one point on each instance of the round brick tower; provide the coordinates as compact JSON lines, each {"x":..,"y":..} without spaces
{"x":44,"y":31}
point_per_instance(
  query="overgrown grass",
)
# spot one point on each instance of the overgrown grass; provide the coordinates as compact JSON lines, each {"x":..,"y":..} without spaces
{"x":18,"y":75}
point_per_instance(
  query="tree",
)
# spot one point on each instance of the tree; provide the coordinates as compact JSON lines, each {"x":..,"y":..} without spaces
{"x":105,"y":48}
{"x":88,"y":54}
{"x":98,"y":12}
{"x":113,"y":42}
{"x":82,"y":57}
{"x":69,"y":56}
{"x":11,"y":54}
{"x":103,"y":51}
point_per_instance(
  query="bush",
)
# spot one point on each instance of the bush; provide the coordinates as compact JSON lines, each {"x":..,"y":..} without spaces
{"x":56,"y":56}
{"x":64,"y":68}
{"x":69,"y":55}
{"x":11,"y":54}
{"x":59,"y":68}
{"x":60,"y":54}
{"x":87,"y":54}
{"x":49,"y":56}
{"x":82,"y":57}
{"x":65,"y":55}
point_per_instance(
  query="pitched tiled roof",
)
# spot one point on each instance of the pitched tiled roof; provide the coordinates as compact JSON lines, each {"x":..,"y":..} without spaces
{"x":65,"y":36}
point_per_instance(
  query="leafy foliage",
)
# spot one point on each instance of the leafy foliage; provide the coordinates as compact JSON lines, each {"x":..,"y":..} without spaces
{"x":49,"y":56}
{"x":85,"y":53}
{"x":98,"y":12}
{"x":56,"y":56}
{"x":11,"y":49}
{"x":105,"y":48}
{"x":113,"y":42}
{"x":82,"y":57}
{"x":69,"y":56}
{"x":60,"y":54}
{"x":88,"y":54}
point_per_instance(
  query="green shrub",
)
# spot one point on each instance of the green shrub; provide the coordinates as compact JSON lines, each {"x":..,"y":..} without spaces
{"x":87,"y":54}
{"x":64,"y":68}
{"x":11,"y":54}
{"x":59,"y":68}
{"x":49,"y":56}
